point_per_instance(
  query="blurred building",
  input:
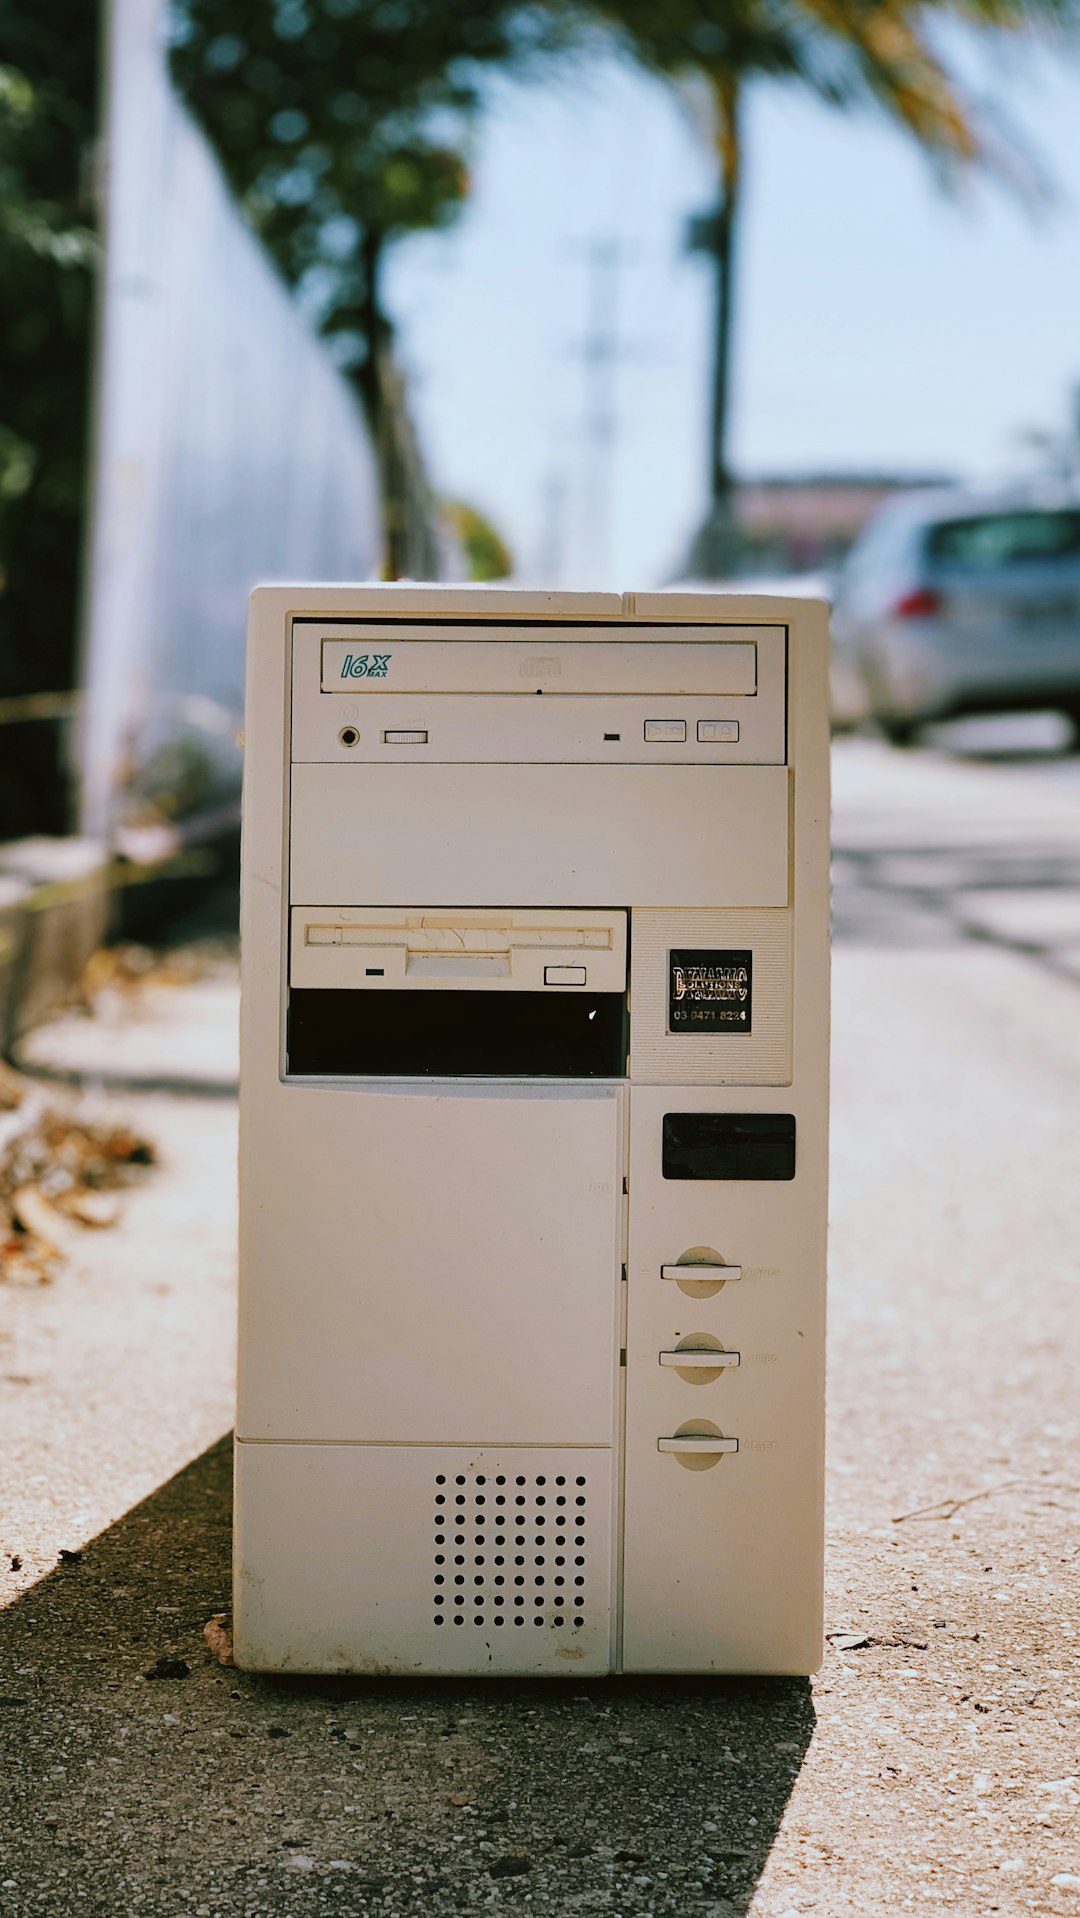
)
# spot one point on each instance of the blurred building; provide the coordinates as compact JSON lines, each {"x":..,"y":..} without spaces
{"x":792,"y":523}
{"x":806,"y":522}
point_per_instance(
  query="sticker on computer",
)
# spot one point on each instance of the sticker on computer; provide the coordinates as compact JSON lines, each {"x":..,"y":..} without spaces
{"x":365,"y":665}
{"x":710,"y":991}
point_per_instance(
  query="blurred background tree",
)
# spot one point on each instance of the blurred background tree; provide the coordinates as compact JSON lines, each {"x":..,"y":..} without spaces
{"x":344,"y":124}
{"x":48,"y":117}
{"x":886,"y":55}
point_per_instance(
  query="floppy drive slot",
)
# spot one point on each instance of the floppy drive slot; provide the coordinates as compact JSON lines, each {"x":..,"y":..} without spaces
{"x":521,"y":951}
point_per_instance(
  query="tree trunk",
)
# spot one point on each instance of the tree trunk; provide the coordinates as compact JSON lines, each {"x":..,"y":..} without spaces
{"x":730,"y":182}
{"x":375,"y":379}
{"x":373,"y":324}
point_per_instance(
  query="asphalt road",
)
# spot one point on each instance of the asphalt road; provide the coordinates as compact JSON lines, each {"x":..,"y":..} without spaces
{"x":934,"y":1763}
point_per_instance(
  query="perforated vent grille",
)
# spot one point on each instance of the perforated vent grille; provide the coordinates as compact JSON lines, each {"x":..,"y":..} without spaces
{"x":510,"y":1550}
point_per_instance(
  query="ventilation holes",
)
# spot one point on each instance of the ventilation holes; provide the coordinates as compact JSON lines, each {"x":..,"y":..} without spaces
{"x":545,"y":1529}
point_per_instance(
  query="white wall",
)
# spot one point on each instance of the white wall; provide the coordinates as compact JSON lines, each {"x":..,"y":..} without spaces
{"x":227,"y":450}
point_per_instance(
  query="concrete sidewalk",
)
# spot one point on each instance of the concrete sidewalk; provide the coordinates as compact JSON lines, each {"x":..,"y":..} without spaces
{"x":934,"y":1764}
{"x":119,"y":1373}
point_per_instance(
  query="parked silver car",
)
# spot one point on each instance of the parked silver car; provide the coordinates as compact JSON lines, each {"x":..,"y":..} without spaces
{"x":956,"y":602}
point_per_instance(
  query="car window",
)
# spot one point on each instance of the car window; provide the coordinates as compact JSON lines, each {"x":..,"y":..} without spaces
{"x":877,"y":549}
{"x":1004,"y":539}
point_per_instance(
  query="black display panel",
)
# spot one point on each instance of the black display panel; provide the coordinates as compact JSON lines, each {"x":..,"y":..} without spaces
{"x":553,"y":1034}
{"x":729,"y":1145}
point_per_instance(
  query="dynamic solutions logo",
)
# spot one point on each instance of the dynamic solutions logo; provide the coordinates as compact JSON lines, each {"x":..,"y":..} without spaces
{"x":710,"y":991}
{"x":709,"y":982}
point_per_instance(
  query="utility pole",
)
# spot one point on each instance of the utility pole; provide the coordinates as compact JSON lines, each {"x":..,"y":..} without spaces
{"x":553,"y":539}
{"x":600,"y":351}
{"x":716,"y":548}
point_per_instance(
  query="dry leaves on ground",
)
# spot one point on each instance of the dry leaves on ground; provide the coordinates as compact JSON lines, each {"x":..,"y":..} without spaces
{"x":116,"y":976}
{"x":218,"y":1635}
{"x":60,"y":1172}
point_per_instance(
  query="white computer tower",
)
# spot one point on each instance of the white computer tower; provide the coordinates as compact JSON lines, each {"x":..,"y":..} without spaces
{"x":533,"y":1133}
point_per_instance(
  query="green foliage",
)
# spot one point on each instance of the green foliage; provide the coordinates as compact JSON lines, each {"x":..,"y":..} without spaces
{"x":343,"y":124}
{"x":47,"y":248}
{"x":881,"y":53}
{"x":889,"y":55}
{"x":486,"y":552}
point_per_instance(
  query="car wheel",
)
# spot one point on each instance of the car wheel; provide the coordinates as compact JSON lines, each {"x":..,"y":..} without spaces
{"x":898,"y":732}
{"x":896,"y":727}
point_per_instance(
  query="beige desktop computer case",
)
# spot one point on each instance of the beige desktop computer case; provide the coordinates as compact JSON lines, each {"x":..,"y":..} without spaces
{"x":533,"y":1133}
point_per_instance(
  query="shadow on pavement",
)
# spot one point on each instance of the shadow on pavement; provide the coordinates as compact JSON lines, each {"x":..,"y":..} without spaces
{"x":167,"y":1085}
{"x":1024,"y":898}
{"x":211,"y":1791}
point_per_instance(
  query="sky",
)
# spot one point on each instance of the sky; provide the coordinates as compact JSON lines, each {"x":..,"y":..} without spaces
{"x":881,"y":324}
